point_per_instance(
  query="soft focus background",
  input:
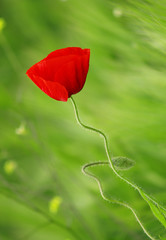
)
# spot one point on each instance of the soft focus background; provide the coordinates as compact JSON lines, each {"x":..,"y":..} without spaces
{"x":43,"y":194}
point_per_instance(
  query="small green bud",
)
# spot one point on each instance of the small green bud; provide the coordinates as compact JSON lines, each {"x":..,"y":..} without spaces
{"x":54,"y":204}
{"x":2,"y":24}
{"x":21,"y":130}
{"x":9,"y":167}
{"x":122,"y":163}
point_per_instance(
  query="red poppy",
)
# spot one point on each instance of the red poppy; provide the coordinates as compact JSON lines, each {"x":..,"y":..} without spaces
{"x":62,"y":73}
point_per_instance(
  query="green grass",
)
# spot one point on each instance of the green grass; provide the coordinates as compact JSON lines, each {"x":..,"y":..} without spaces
{"x":125,"y":96}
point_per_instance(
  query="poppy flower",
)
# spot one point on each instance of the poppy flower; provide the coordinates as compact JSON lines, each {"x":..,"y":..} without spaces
{"x":62,"y":73}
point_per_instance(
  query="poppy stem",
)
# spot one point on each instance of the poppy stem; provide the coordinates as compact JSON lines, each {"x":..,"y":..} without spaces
{"x":112,"y":167}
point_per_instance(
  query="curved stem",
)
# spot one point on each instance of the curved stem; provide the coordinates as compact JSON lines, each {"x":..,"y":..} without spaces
{"x":108,"y":153}
{"x":112,"y":200}
{"x":112,"y":167}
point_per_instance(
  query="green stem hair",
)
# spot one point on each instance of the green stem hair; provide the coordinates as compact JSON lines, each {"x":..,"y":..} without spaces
{"x":84,"y":169}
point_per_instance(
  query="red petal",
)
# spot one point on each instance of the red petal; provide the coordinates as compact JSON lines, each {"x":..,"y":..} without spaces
{"x":67,"y":76}
{"x":85,"y":61}
{"x":48,"y":67}
{"x":73,"y":74}
{"x":62,"y":73}
{"x":82,"y":67}
{"x":67,"y":51}
{"x":53,"y":89}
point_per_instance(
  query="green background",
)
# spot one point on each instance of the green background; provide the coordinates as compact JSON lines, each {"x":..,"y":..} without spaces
{"x":124,"y":95}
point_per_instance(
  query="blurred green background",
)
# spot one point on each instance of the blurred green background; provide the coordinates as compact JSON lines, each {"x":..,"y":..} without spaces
{"x":43,"y":194}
